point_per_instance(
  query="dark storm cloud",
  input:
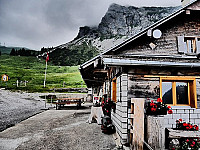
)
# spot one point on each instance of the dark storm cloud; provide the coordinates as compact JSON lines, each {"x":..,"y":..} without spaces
{"x":44,"y":22}
{"x":38,"y":23}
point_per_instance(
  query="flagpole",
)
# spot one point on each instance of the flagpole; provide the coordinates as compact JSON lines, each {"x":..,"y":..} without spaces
{"x":45,"y":74}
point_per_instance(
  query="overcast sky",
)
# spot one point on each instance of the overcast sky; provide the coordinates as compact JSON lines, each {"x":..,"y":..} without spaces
{"x":46,"y":23}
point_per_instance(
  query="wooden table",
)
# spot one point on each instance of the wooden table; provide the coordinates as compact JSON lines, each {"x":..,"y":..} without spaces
{"x":62,"y":101}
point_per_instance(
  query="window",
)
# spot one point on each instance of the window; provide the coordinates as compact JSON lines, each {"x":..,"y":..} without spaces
{"x":114,"y":90}
{"x":189,"y":44}
{"x":178,"y":91}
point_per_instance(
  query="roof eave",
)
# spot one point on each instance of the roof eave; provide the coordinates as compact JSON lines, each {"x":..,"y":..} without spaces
{"x":129,"y":62}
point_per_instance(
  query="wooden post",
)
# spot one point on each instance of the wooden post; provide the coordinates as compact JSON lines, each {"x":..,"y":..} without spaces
{"x":17,"y":83}
{"x":137,"y":123}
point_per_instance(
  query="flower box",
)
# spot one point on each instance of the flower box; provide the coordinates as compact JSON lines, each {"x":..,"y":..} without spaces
{"x":157,"y":108}
{"x":182,"y":125}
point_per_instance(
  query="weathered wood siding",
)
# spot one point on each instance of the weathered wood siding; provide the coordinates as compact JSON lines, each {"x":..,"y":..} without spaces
{"x":155,"y":135}
{"x":183,"y":24}
{"x":143,"y":87}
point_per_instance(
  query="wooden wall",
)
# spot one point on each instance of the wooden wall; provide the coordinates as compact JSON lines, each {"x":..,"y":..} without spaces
{"x":183,"y":24}
{"x":144,"y":82}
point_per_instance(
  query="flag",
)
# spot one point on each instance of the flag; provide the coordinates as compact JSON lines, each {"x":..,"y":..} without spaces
{"x":47,"y":58}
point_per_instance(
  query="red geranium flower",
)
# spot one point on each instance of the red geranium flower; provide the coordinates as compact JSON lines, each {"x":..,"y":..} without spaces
{"x":153,"y":109}
{"x":197,"y":128}
{"x":193,"y":142}
{"x":191,"y":126}
{"x":187,"y":128}
{"x":180,"y":120}
{"x":151,"y":104}
{"x":185,"y":124}
{"x":191,"y":145}
{"x":170,"y":111}
{"x":169,"y":107}
{"x":159,"y":100}
{"x":187,"y":140}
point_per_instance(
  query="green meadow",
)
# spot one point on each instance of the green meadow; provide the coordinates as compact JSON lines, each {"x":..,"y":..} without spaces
{"x":32,"y":69}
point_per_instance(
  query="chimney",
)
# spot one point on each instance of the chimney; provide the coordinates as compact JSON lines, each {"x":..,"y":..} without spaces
{"x":185,"y":2}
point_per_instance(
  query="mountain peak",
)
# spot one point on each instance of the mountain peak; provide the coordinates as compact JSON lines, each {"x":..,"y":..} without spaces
{"x":119,"y":23}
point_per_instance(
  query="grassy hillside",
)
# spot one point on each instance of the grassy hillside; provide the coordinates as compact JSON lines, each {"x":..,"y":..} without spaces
{"x":32,"y":70}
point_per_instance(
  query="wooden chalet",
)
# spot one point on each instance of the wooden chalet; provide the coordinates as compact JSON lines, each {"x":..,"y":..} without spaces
{"x":162,"y":61}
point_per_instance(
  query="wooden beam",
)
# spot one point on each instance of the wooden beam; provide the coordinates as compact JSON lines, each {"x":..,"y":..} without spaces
{"x":182,"y":133}
{"x":100,"y":71}
{"x":178,"y":77}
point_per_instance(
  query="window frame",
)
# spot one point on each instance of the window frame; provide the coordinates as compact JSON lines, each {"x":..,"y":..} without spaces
{"x":188,"y":45}
{"x":192,"y":95}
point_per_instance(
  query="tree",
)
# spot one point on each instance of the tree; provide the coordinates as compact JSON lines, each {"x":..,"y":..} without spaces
{"x":0,"y":53}
{"x":13,"y":52}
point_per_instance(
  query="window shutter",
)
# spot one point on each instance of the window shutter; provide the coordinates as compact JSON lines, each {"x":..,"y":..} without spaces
{"x":181,"y":45}
{"x":198,"y":45}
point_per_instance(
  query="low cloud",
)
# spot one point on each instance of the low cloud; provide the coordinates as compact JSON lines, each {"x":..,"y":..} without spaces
{"x":38,"y":23}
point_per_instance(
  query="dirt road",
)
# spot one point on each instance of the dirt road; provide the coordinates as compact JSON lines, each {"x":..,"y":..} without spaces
{"x":56,"y":130}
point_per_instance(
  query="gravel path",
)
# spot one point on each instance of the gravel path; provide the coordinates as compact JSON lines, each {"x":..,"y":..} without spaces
{"x":49,"y":130}
{"x":17,"y":106}
{"x":56,"y":130}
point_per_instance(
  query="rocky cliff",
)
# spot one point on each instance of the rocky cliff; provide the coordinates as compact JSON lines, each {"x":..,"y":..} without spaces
{"x":118,"y":24}
{"x":125,"y":21}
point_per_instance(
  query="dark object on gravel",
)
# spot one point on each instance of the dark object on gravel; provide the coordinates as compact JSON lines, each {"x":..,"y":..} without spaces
{"x":107,"y":127}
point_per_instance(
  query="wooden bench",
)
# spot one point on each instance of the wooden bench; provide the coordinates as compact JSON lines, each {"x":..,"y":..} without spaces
{"x":63,"y":101}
